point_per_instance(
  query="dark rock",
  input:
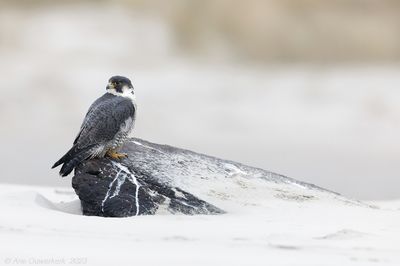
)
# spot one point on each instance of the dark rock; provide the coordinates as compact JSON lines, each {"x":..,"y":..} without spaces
{"x":112,"y":188}
{"x":163,"y":179}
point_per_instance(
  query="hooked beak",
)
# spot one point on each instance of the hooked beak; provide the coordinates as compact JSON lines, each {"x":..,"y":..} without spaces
{"x":110,"y":86}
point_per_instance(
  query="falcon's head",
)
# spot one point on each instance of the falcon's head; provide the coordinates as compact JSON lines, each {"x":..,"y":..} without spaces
{"x":120,"y":86}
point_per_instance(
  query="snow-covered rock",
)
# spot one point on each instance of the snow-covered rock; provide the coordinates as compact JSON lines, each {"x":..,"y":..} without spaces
{"x":269,"y":219}
{"x":163,"y":179}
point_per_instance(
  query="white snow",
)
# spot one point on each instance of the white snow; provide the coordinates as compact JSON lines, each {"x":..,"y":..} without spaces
{"x":43,"y":223}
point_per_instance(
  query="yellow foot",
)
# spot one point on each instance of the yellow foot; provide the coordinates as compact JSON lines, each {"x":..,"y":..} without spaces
{"x":116,"y":155}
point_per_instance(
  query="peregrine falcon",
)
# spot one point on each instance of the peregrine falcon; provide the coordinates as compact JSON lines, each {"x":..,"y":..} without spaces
{"x":107,"y":125}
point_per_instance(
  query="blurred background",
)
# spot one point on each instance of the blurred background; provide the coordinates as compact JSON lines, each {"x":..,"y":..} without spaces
{"x":305,"y":88}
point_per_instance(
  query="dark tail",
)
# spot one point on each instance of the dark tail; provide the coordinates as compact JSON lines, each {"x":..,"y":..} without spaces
{"x":72,"y":159}
{"x":66,"y":157}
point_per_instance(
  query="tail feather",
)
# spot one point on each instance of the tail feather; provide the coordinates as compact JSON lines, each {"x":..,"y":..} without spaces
{"x":68,"y":156}
{"x":73,"y":162}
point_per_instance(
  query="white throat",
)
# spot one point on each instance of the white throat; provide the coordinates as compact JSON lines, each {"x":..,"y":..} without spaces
{"x":126,"y":92}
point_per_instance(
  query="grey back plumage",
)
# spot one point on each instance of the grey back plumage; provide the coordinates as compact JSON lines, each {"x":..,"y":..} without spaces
{"x":104,"y":120}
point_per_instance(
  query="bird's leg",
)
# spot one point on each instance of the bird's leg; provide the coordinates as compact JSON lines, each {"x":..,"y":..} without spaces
{"x":115,"y":155}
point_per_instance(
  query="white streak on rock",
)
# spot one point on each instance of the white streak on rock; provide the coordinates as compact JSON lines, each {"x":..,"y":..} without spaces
{"x":298,"y":185}
{"x":178,"y":193}
{"x":131,"y":177}
{"x":148,"y":147}
{"x":234,"y":169}
{"x":120,"y":182}
{"x":186,"y":204}
{"x":108,"y":191}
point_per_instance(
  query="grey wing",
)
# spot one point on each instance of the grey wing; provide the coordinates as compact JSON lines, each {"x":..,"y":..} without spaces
{"x":90,"y":113}
{"x":104,"y":121}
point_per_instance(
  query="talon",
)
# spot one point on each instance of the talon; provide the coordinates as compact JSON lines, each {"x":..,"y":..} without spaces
{"x":116,"y":155}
